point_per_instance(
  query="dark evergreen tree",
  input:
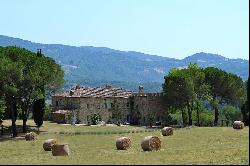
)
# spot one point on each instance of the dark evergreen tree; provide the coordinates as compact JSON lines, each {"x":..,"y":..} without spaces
{"x":38,"y":112}
{"x":245,"y":107}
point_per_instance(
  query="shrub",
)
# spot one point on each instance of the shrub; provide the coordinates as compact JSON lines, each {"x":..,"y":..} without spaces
{"x":230,"y":113}
{"x":206,"y":118}
{"x":2,"y":108}
{"x":176,"y":118}
{"x":47,"y":113}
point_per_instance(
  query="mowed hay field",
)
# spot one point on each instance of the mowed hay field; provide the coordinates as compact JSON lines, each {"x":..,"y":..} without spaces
{"x":97,"y":145}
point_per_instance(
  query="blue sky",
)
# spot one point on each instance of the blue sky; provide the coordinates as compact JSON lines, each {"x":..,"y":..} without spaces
{"x":170,"y":28}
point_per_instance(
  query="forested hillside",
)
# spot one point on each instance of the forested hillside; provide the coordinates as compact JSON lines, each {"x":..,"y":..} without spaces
{"x":96,"y":66}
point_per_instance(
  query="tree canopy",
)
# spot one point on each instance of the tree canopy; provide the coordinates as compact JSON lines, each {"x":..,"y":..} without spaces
{"x":186,"y":89}
{"x":26,"y":77}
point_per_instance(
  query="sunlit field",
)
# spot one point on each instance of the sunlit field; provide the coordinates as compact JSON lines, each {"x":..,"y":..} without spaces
{"x":96,"y":145}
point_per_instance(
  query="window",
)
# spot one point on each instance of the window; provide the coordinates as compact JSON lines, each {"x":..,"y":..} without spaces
{"x":109,"y":105}
{"x":105,"y":104}
{"x":88,"y":120}
{"x":57,"y":103}
{"x":128,"y":118}
{"x":127,"y":104}
{"x":87,"y":105}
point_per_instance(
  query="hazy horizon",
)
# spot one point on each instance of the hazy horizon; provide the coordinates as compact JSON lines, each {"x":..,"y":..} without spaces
{"x":121,"y":50}
{"x":173,"y":28}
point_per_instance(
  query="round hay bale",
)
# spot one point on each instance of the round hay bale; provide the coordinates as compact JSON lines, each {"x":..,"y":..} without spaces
{"x":167,"y":131}
{"x":47,"y":144}
{"x":30,"y":136}
{"x":123,"y":143}
{"x":60,"y":150}
{"x":151,"y":143}
{"x":238,"y":125}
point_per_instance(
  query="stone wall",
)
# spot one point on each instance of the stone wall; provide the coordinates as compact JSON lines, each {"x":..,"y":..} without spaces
{"x":138,"y":109}
{"x":103,"y":108}
{"x":110,"y":109}
{"x":147,"y":108}
{"x":65,"y":103}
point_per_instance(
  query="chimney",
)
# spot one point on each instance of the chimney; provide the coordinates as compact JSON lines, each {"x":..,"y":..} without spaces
{"x":71,"y":92}
{"x":77,"y":87}
{"x":141,"y":90}
{"x":108,"y":86}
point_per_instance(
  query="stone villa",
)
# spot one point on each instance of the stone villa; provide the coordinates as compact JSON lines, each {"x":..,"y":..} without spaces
{"x":112,"y":105}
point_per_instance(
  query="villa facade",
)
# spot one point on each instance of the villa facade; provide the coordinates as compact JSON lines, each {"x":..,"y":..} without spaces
{"x":108,"y":104}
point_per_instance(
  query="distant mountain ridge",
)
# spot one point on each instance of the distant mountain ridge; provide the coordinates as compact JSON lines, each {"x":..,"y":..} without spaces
{"x":96,"y":66}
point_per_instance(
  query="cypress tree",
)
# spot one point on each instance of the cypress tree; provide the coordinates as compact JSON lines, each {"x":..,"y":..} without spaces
{"x":38,"y":112}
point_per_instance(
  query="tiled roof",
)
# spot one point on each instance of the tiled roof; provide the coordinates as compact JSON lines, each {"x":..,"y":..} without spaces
{"x":106,"y":91}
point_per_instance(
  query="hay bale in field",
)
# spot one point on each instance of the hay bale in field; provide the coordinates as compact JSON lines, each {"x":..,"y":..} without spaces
{"x":31,"y":136}
{"x":238,"y":125}
{"x":151,"y":143}
{"x":47,"y":144}
{"x":60,"y":150}
{"x":123,"y":143}
{"x":167,"y":131}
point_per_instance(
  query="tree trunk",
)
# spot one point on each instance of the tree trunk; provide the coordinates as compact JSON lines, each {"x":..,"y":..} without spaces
{"x":25,"y":118}
{"x":24,"y":124}
{"x":13,"y":116}
{"x":183,"y":118}
{"x":190,"y":117}
{"x":216,"y":112}
{"x":216,"y":116}
{"x":14,"y":128}
{"x":198,"y":113}
{"x":189,"y":108}
{"x":26,"y":111}
{"x":244,"y":110}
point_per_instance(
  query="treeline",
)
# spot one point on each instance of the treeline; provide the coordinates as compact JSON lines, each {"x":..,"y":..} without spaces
{"x":25,"y":79}
{"x":196,"y":94}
